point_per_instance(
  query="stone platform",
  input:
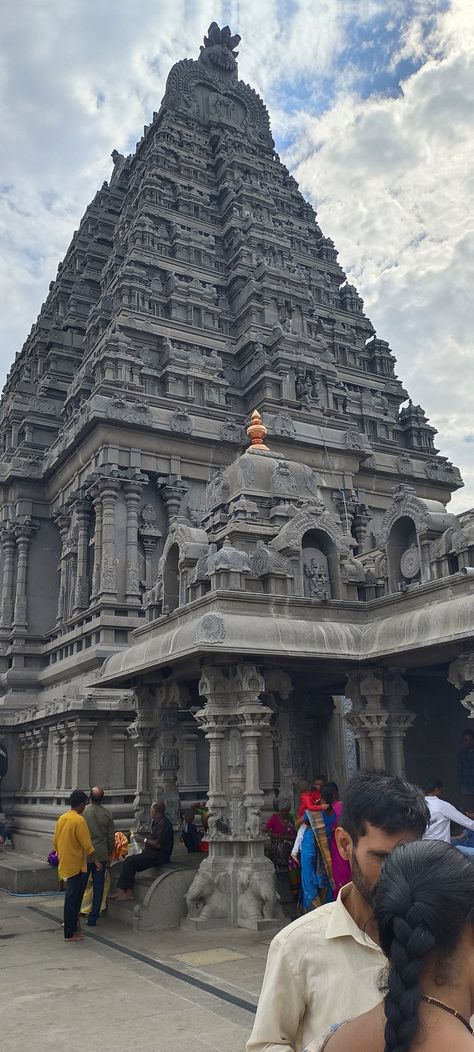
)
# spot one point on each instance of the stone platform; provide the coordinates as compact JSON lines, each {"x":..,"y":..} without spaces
{"x":23,"y":875}
{"x":159,"y":894}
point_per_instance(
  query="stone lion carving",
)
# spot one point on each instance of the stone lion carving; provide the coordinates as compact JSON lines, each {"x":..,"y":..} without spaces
{"x":257,"y":895}
{"x":208,"y":896}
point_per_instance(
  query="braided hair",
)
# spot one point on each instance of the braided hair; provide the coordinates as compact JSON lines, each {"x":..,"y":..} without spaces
{"x":423,"y":901}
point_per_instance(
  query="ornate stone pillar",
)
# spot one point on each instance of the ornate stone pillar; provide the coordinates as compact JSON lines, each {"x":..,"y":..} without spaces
{"x":172,"y":489}
{"x":190,"y":741}
{"x":56,"y":757}
{"x":143,"y":733}
{"x":82,"y":731}
{"x":132,"y":492}
{"x":41,"y":745}
{"x":23,"y":534}
{"x":149,"y":535}
{"x":64,"y":731}
{"x":27,"y":745}
{"x":96,"y":571}
{"x":63,"y":522}
{"x":108,"y":573}
{"x":8,"y":583}
{"x":354,"y":719}
{"x":239,"y":880}
{"x":360,"y":524}
{"x":400,"y":720}
{"x":118,"y":737}
{"x":379,"y":718}
{"x":81,"y":592}
{"x":168,"y":700}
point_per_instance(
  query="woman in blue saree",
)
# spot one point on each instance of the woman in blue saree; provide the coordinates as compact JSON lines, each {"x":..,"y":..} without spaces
{"x":317,"y":883}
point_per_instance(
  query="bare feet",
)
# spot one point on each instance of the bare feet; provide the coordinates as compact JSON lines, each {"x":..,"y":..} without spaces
{"x":74,"y":938}
{"x":122,"y":896}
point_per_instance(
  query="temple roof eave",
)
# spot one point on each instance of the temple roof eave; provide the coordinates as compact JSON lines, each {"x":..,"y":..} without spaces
{"x":219,"y":628}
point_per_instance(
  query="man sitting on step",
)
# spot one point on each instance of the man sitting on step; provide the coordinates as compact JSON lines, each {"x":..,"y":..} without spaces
{"x":157,"y":849}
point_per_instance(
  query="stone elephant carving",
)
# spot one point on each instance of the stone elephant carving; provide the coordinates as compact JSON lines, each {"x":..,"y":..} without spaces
{"x":207,"y":897}
{"x":258,"y":898}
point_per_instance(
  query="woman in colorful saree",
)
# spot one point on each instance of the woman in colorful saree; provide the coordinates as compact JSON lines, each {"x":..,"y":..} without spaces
{"x":317,"y":881}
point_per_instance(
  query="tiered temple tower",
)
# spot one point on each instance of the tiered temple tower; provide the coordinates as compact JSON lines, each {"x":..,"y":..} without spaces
{"x":198,"y":288}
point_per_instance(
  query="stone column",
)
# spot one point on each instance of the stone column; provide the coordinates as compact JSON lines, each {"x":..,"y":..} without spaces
{"x":23,"y":534}
{"x":64,"y":732}
{"x":27,"y":744}
{"x":8,"y":583}
{"x":236,"y":883}
{"x":379,"y":718}
{"x":54,"y":775}
{"x":118,"y":737}
{"x":97,"y":504}
{"x":41,"y":745}
{"x":168,"y":699}
{"x":63,"y":522}
{"x":82,"y":731}
{"x":190,"y":740}
{"x":108,"y":573}
{"x":149,"y":536}
{"x":142,"y":731}
{"x":400,"y":720}
{"x":81,"y":592}
{"x":132,"y":492}
{"x":172,"y":489}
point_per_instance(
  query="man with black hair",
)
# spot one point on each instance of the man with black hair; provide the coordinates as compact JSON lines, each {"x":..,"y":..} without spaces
{"x":73,"y":844}
{"x":325,"y":966}
{"x":442,"y":814}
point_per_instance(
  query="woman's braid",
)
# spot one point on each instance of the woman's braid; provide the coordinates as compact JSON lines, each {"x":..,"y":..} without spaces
{"x":411,"y":941}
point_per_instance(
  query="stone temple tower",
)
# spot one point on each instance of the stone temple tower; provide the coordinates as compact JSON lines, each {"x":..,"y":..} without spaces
{"x":135,"y":527}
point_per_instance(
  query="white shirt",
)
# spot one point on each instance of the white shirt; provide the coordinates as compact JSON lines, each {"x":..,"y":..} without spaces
{"x":299,"y":840}
{"x":320,"y":970}
{"x":442,"y":814}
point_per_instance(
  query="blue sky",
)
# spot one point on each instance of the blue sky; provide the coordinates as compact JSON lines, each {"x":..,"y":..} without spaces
{"x":371,"y":106}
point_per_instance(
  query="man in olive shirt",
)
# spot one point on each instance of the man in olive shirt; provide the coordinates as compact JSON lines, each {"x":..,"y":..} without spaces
{"x":73,"y":845}
{"x":101,"y":829}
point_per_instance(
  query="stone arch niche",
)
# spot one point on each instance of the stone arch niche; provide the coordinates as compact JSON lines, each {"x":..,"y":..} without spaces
{"x":171,"y":579}
{"x":403,"y":554}
{"x":320,"y":565}
{"x":313,"y":527}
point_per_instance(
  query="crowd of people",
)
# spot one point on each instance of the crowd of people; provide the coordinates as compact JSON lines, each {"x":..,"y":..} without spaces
{"x":385,"y":962}
{"x":381,"y":958}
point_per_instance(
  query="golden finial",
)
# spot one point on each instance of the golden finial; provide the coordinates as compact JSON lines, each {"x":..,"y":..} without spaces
{"x":256,"y":432}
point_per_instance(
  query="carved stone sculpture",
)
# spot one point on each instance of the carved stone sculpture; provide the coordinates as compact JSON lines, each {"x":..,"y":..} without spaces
{"x":257,"y":895}
{"x":208,"y":897}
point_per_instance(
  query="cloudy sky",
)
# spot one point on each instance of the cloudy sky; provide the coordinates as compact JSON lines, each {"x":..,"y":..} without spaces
{"x":371,"y":103}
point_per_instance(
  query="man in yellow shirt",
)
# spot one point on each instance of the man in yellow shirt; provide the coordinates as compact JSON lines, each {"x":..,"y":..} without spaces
{"x":73,"y":844}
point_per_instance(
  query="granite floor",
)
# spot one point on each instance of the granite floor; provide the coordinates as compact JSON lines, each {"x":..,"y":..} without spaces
{"x":119,"y":989}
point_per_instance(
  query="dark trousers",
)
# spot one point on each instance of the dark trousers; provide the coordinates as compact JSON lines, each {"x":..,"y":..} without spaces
{"x":75,"y":888}
{"x":137,"y":863}
{"x":98,"y":880}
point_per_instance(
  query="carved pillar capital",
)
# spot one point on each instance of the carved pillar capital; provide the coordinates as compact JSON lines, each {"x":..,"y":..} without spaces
{"x":172,"y":488}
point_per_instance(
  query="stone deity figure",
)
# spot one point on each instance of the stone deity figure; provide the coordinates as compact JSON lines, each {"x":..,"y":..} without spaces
{"x":304,"y":390}
{"x":317,"y":581}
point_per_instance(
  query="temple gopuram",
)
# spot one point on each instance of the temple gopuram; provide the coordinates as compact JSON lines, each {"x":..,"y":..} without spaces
{"x":228,"y":559}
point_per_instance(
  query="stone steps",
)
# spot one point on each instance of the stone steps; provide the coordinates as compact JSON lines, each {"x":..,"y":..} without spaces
{"x":25,"y":875}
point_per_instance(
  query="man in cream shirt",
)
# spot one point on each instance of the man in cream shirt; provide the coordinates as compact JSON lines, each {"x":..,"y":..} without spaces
{"x":325,"y":966}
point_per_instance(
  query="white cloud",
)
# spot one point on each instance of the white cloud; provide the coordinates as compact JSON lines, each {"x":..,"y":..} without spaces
{"x":391,"y":177}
